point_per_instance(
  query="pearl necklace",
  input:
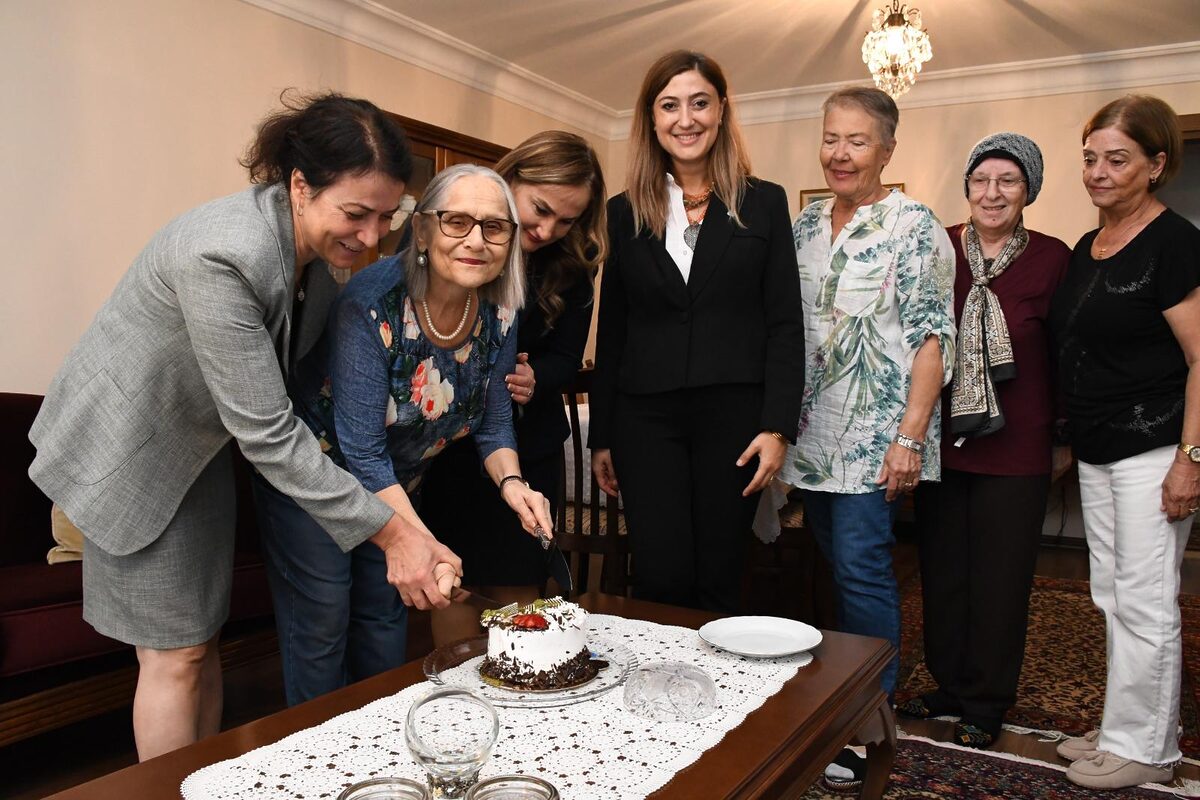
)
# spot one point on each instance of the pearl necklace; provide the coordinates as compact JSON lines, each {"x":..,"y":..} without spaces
{"x":445,"y":337}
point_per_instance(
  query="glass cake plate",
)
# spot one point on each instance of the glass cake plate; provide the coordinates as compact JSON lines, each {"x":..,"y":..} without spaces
{"x":457,"y":664}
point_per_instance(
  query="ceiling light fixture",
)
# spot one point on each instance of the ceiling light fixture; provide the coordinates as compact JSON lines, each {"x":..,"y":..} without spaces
{"x":895,"y":48}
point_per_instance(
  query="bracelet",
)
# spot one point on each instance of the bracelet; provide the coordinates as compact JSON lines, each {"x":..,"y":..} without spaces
{"x":508,"y":478}
{"x":778,"y":436}
{"x":910,"y":443}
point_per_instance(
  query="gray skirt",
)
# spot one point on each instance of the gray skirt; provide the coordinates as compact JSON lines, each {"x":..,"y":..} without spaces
{"x":175,"y":591}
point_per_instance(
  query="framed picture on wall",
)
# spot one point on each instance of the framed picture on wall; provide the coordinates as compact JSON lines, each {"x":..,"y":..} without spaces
{"x":812,"y":195}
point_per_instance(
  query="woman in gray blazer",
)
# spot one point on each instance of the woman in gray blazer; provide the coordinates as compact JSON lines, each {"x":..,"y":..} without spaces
{"x":196,"y":347}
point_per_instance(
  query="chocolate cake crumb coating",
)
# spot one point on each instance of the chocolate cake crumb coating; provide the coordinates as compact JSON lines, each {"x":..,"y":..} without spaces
{"x":578,"y":670}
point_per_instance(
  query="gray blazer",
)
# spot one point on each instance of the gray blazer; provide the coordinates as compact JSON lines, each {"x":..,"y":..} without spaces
{"x":190,"y":351}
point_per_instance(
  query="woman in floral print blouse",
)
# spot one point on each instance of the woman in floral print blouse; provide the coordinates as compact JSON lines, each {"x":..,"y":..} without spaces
{"x":877,"y":281}
{"x":415,"y":358}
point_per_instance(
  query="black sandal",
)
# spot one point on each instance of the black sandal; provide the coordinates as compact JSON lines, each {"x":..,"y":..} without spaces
{"x":926,"y":706}
{"x":851,"y":762}
{"x":968,"y":734}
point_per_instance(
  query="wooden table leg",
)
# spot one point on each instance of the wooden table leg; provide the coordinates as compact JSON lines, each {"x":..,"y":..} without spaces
{"x":879,"y":735}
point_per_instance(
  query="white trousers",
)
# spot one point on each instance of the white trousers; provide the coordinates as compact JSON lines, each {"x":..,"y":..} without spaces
{"x":1135,"y":556}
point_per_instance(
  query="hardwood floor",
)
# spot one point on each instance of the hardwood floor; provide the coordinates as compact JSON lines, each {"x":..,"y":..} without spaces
{"x":60,"y":759}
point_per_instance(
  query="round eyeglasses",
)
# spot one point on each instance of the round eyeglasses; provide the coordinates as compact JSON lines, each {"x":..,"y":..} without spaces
{"x":458,"y":225}
{"x":1006,"y":183}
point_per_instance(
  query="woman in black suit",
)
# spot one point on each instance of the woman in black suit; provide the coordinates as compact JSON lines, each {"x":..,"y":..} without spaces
{"x":700,"y":344}
{"x":556,"y":179}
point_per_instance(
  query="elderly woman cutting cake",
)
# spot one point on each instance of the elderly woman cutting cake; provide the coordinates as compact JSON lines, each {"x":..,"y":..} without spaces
{"x":415,"y":358}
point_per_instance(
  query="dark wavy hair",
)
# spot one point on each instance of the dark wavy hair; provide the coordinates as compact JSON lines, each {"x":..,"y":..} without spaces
{"x":326,"y":136}
{"x":562,"y":159}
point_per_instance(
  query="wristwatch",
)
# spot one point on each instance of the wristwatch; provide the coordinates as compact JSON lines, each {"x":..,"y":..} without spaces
{"x":910,"y":443}
{"x":1192,"y":451}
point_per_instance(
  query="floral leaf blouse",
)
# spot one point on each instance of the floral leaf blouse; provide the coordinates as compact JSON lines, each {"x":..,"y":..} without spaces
{"x":871,"y":298}
{"x":383,"y":399}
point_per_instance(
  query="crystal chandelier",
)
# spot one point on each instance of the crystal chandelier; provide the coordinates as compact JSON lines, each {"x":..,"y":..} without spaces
{"x":896,"y":48}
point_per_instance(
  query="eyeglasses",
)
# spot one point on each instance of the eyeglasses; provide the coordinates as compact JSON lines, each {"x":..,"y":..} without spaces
{"x":853,"y":145}
{"x":458,"y":225}
{"x":1006,"y":183}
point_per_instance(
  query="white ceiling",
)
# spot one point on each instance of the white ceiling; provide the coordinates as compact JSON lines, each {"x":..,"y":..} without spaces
{"x":581,"y":61}
{"x":601,"y":49}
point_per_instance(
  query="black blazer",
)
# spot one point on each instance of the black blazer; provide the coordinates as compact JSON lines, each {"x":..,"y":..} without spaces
{"x":738,"y":319}
{"x":556,"y":355}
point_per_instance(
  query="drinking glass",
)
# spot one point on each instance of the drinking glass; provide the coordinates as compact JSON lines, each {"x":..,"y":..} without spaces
{"x":513,"y":787}
{"x":450,"y":733}
{"x":385,"y":789}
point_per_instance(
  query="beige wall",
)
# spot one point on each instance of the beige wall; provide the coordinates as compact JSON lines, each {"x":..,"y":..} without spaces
{"x":121,"y":114}
{"x":934,"y":142}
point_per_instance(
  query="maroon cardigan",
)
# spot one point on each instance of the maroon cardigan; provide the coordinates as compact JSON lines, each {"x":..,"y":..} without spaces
{"x":1022,"y":446}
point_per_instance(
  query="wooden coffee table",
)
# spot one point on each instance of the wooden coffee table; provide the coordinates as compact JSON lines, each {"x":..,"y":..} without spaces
{"x":777,"y":752}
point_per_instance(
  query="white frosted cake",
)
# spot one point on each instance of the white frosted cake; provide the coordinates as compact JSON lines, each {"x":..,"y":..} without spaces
{"x":539,"y":646}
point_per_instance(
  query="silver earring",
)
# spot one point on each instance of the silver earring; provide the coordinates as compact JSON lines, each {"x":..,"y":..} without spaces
{"x":422,"y":260}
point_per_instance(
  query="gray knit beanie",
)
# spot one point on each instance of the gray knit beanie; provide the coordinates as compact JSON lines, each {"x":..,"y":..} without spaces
{"x":1019,"y":149}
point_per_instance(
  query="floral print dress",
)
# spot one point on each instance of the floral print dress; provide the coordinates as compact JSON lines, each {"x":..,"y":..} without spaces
{"x":871,"y":298}
{"x":388,"y":399}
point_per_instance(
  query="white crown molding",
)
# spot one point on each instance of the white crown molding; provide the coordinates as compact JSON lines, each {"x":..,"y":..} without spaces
{"x":372,"y":25}
{"x":1117,"y":69}
{"x":379,"y":28}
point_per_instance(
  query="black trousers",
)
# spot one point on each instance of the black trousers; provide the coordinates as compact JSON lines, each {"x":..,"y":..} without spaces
{"x":675,"y":456}
{"x":978,"y":543}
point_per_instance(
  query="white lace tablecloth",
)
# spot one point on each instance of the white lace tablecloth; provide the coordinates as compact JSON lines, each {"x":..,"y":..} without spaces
{"x":594,"y":750}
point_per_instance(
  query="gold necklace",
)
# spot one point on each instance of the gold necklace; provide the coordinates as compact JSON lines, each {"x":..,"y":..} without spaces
{"x":445,"y":337}
{"x":1119,"y":239}
{"x":691,"y":201}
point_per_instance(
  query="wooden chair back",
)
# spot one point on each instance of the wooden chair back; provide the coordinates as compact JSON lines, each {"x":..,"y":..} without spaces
{"x":588,"y":529}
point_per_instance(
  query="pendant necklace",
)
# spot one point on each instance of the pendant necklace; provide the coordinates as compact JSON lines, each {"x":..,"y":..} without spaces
{"x":691,"y":202}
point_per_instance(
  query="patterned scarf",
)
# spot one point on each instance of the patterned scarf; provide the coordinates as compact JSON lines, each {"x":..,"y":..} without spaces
{"x":985,"y":355}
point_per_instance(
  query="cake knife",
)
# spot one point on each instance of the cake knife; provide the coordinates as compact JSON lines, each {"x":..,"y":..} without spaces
{"x":556,"y":562}
{"x":461,"y":595}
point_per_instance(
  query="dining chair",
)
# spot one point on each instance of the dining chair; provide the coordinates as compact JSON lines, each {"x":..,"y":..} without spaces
{"x":589,"y":529}
{"x":789,"y":577}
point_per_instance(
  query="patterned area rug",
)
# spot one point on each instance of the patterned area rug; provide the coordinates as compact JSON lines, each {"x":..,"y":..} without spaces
{"x":925,"y":771}
{"x":1062,"y":680}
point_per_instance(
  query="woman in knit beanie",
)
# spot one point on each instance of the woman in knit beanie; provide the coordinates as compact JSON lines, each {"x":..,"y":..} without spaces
{"x":980,"y":527}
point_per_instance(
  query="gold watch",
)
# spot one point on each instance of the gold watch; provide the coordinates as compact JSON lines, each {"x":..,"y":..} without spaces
{"x":1192,"y":451}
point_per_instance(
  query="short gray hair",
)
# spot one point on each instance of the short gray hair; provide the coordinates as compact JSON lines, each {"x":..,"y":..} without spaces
{"x":876,"y":103}
{"x":506,"y":290}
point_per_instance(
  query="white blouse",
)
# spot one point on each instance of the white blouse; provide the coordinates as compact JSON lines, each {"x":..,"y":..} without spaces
{"x":677,"y":221}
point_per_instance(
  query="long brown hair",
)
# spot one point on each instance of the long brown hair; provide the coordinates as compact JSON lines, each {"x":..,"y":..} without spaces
{"x":728,"y":161}
{"x":562,"y":159}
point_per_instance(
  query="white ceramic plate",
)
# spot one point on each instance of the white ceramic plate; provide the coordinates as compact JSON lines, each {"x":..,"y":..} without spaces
{"x":761,"y":637}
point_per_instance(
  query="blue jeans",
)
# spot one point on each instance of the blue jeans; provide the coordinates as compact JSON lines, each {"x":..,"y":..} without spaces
{"x":854,"y":531}
{"x":338,"y":618}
